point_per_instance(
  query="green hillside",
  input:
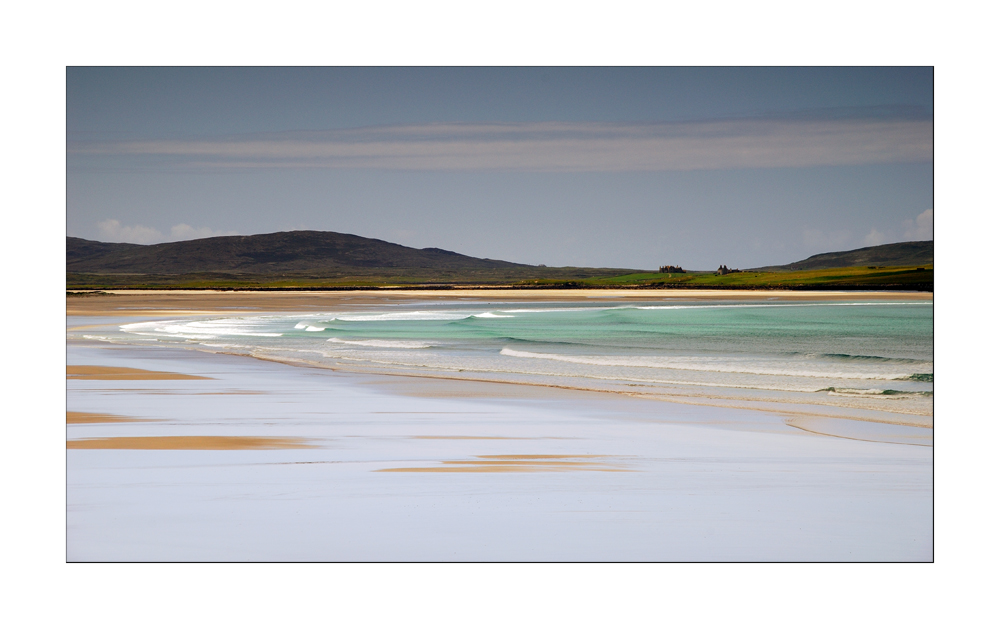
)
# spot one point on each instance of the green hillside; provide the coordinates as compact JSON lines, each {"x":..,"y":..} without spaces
{"x":914,"y":253}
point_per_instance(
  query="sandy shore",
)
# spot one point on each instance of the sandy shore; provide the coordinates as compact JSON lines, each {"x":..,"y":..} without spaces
{"x":158,"y":303}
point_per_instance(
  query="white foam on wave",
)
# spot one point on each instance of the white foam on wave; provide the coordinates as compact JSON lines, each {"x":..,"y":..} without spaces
{"x":704,"y":364}
{"x":419,"y":315}
{"x":144,"y":325}
{"x":308,"y":326}
{"x":581,"y":309}
{"x":725,"y":306}
{"x":197,"y":330}
{"x":709,"y":306}
{"x":383,"y":343}
{"x":490,"y":315}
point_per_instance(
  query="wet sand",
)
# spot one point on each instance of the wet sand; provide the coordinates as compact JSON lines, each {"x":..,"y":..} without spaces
{"x":864,"y":431}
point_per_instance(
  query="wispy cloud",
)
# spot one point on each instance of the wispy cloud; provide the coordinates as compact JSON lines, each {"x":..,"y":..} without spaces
{"x":186,"y":232}
{"x":112,"y":230}
{"x":874,"y":238}
{"x":560,"y":146}
{"x":920,"y":229}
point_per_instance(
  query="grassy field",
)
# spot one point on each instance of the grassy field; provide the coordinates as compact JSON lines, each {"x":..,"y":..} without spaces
{"x":848,"y":278}
{"x":916,"y":278}
{"x":373,"y":277}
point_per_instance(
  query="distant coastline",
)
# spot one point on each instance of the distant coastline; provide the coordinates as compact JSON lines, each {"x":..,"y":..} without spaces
{"x":310,"y":260}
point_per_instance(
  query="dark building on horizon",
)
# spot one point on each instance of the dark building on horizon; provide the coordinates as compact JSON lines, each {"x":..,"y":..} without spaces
{"x":724,"y":270}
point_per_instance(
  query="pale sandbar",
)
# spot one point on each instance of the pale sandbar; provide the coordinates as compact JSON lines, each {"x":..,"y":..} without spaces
{"x":188,"y":443}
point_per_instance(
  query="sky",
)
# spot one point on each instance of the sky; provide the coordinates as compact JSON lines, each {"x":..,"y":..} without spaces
{"x":627,"y":167}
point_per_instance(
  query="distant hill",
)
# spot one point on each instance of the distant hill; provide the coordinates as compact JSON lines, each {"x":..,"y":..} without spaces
{"x":79,"y":249}
{"x":313,"y":255}
{"x":914,"y":253}
{"x":282,"y":252}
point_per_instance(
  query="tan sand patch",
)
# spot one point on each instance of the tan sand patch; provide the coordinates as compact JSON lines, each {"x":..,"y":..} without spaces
{"x":520,"y":463}
{"x":75,"y":417}
{"x":188,"y":443}
{"x":97,"y":372}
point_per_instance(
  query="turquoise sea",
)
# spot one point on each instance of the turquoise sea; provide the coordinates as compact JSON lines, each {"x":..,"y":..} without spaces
{"x":865,"y":355}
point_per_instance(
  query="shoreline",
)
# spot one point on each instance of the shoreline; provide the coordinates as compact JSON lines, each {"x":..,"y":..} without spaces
{"x":131,"y":304}
{"x":212,"y":302}
{"x":747,"y":405}
{"x":450,"y":387}
{"x":446,"y":387}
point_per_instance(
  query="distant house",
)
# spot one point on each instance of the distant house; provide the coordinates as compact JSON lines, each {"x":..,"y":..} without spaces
{"x":724,"y":270}
{"x":672,"y":269}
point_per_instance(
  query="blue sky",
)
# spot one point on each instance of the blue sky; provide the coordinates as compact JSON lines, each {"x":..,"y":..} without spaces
{"x":624,"y":167}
